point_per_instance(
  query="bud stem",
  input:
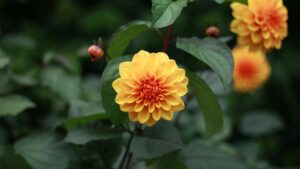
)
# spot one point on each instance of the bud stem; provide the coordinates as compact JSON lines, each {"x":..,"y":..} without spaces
{"x":168,"y":38}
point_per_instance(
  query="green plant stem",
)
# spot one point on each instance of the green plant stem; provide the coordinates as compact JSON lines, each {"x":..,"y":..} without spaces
{"x":127,"y":155}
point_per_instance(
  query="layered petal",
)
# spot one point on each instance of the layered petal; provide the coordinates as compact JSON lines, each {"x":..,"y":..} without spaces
{"x":261,"y":25}
{"x":251,"y":69}
{"x":150,"y":87}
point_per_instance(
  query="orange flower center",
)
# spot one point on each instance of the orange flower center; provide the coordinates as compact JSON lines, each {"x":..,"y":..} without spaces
{"x":270,"y":18}
{"x":150,"y":90}
{"x":273,"y":19}
{"x":246,"y":69}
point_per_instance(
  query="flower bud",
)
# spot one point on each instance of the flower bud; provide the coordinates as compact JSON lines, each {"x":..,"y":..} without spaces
{"x":213,"y":31}
{"x":95,"y":52}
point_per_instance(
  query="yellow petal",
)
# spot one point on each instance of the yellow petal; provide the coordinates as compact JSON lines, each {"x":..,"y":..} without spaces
{"x":121,"y":98}
{"x":125,"y":69}
{"x":150,"y":122}
{"x":234,"y":25}
{"x":117,"y":85}
{"x":268,"y":43}
{"x":179,"y":107}
{"x":253,"y":27}
{"x":256,"y":37}
{"x":130,"y":82}
{"x":163,"y":57}
{"x":167,"y":115}
{"x":124,"y":85}
{"x":156,"y":115}
{"x":157,"y":104}
{"x":130,"y":99}
{"x":240,"y":11}
{"x":181,"y":75}
{"x":185,"y":81}
{"x":138,"y":107}
{"x":266,"y":34}
{"x":165,"y":105}
{"x":143,"y":116}
{"x":254,"y":5}
{"x":170,"y":67}
{"x":244,"y":40}
{"x":133,"y":116}
{"x":242,"y":29}
{"x":177,"y":76}
{"x":179,"y":89}
{"x":157,"y":59}
{"x":141,"y":57}
{"x":173,"y":99}
{"x":151,"y":108}
{"x":278,"y":44}
{"x":127,"y":107}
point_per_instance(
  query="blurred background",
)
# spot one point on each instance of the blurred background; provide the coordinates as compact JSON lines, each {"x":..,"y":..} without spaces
{"x":47,"y":42}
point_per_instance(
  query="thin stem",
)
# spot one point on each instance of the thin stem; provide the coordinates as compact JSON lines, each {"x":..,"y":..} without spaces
{"x":127,"y":155}
{"x":128,"y":161}
{"x":168,"y":38}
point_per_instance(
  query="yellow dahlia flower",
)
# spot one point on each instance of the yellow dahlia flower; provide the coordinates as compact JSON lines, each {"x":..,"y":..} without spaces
{"x":262,"y":24}
{"x":150,"y":87}
{"x":251,"y":69}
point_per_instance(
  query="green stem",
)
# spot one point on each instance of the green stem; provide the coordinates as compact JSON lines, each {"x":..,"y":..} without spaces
{"x":127,"y":155}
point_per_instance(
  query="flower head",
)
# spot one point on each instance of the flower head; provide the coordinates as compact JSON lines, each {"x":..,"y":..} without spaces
{"x":262,"y":24}
{"x":251,"y":69}
{"x":95,"y":52}
{"x":213,"y":31}
{"x":150,"y":87}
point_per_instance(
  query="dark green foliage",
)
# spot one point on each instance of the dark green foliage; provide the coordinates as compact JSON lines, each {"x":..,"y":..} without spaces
{"x":57,"y":109}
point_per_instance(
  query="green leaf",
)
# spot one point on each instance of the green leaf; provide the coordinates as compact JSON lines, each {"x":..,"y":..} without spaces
{"x":45,"y":152}
{"x":165,"y":12}
{"x":225,"y":132}
{"x":108,"y":94}
{"x":18,"y":41}
{"x":241,"y":1}
{"x":26,"y":79}
{"x":197,"y":155}
{"x":75,"y":121}
{"x":156,"y":141}
{"x":91,"y":88}
{"x":170,"y":161}
{"x":260,"y":123}
{"x":10,"y":160}
{"x":214,"y":53}
{"x":83,"y":136}
{"x":209,"y":104}
{"x":82,"y":112}
{"x":213,"y":81}
{"x":122,"y":38}
{"x":79,"y":108}
{"x":220,"y":1}
{"x":14,"y":104}
{"x":111,"y":152}
{"x":4,"y":59}
{"x":5,"y":83}
{"x":59,"y":81}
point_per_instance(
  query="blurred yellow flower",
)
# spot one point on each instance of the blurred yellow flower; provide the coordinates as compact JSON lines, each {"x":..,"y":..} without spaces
{"x":251,"y":69}
{"x":262,"y":24}
{"x":150,"y":87}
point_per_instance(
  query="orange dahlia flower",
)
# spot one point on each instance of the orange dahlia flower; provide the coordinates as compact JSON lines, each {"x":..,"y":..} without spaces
{"x":150,"y":87}
{"x":262,"y":24}
{"x":251,"y":69}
